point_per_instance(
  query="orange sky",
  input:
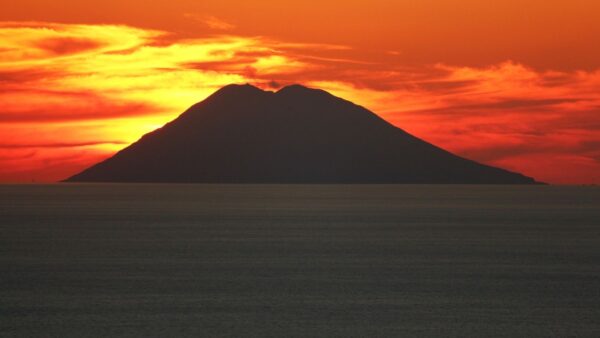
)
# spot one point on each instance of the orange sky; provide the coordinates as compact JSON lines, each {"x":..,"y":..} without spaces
{"x":510,"y":83}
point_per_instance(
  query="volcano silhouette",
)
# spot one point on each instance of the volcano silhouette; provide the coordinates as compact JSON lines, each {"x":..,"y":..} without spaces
{"x":242,"y":134}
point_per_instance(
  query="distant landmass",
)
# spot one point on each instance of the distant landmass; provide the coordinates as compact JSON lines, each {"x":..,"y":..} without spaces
{"x":242,"y":134}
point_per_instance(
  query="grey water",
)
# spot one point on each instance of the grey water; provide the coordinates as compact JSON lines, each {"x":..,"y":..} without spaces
{"x":149,"y":260}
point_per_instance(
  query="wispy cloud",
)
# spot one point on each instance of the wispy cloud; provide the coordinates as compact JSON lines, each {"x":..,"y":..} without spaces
{"x":59,"y":144}
{"x":210,"y":21}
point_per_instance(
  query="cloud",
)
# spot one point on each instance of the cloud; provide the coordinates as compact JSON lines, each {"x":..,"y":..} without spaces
{"x":210,"y":21}
{"x":66,"y":45}
{"x":504,"y":104}
{"x":18,"y":77}
{"x":41,"y":43}
{"x":8,"y":157}
{"x":19,"y":106}
{"x":55,"y":165}
{"x":59,"y":144}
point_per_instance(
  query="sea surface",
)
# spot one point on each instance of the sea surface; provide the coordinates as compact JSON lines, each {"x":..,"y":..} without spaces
{"x":299,"y":261}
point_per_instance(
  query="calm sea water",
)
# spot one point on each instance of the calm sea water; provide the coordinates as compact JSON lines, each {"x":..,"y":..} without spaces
{"x":299,"y":261}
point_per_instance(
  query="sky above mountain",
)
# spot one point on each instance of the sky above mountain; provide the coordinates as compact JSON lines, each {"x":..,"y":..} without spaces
{"x":514,"y":84}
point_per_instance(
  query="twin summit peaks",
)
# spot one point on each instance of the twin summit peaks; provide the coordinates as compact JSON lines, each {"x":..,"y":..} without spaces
{"x":242,"y":134}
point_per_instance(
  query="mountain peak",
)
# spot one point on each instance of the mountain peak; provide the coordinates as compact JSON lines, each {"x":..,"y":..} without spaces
{"x":238,"y":88}
{"x":294,"y":89}
{"x":297,"y":89}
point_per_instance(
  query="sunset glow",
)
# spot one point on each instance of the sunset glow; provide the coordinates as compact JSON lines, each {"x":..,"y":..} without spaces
{"x":516,"y":92}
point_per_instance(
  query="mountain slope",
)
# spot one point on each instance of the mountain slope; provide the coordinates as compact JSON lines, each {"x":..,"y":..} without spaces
{"x":242,"y":134}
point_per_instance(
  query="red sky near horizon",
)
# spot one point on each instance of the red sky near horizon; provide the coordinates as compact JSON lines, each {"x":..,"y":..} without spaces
{"x":514,"y":84}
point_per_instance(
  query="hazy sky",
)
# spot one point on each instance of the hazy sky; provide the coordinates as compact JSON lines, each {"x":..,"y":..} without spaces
{"x":509,"y":83}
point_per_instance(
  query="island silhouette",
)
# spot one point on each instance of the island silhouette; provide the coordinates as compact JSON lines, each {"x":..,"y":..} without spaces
{"x":242,"y":134}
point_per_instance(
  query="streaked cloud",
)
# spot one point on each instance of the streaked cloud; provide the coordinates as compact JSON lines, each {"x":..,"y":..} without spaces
{"x":210,"y":21}
{"x":59,"y":145}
